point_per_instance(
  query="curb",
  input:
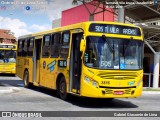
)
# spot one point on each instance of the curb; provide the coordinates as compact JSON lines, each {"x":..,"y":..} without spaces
{"x":151,"y":92}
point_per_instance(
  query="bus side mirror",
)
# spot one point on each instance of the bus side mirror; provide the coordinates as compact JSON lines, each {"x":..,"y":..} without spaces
{"x":82,"y":45}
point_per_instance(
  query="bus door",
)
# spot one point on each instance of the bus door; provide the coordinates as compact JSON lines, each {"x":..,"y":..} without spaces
{"x":75,"y":68}
{"x":36,"y":59}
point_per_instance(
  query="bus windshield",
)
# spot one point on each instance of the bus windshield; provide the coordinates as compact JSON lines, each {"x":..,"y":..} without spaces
{"x":113,"y":53}
{"x":7,"y":56}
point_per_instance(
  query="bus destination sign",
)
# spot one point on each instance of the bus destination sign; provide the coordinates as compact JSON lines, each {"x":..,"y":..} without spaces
{"x":7,"y":46}
{"x":114,"y":29}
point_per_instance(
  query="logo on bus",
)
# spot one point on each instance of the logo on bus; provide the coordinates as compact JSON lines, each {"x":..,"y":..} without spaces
{"x":131,"y":83}
{"x":44,"y":64}
{"x":51,"y":65}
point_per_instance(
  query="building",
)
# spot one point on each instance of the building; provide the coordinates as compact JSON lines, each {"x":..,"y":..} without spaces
{"x":6,"y":36}
{"x":81,"y":14}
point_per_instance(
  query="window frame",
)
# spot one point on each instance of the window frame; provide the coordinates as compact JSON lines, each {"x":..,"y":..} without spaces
{"x":30,"y":48}
{"x":55,"y":44}
{"x":20,"y":47}
{"x":44,"y":47}
{"x":65,"y":45}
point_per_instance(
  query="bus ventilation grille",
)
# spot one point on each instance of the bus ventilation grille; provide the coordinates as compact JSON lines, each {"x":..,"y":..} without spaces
{"x":118,"y":76}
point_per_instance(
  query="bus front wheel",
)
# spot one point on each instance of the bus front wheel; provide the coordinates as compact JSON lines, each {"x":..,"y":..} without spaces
{"x":62,"y":88}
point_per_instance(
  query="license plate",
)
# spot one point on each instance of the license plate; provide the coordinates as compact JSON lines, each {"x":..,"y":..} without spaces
{"x":118,"y":92}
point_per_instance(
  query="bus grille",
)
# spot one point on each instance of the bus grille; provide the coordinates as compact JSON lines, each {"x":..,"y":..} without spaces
{"x":118,"y":76}
{"x":128,"y":91}
{"x":110,"y":91}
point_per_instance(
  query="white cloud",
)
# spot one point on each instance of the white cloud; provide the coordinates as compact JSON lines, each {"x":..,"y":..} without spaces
{"x":52,"y":8}
{"x":35,"y":27}
{"x":55,"y":8}
{"x":19,"y":27}
{"x":15,"y":25}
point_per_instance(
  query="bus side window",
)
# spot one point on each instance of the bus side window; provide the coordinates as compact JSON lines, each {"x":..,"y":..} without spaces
{"x":30,"y":47}
{"x":65,"y":44}
{"x":20,"y":47}
{"x":46,"y":46}
{"x":25,"y":49}
{"x":55,"y":45}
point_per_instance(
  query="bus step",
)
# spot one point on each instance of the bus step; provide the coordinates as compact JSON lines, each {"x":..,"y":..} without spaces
{"x":35,"y":84}
{"x":75,"y":91}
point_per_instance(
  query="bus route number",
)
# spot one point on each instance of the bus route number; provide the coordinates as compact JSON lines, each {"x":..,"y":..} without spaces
{"x":106,"y":63}
{"x":62,"y":63}
{"x":99,"y":28}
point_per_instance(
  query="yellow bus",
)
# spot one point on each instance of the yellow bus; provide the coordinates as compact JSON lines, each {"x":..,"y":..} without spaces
{"x":89,"y":59}
{"x":8,"y":58}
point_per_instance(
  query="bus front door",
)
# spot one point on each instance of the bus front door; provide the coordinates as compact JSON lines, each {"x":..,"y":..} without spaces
{"x":75,"y":68}
{"x":36,"y":59}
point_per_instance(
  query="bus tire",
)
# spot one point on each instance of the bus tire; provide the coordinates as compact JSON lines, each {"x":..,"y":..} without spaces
{"x":62,"y":88}
{"x":26,"y":79}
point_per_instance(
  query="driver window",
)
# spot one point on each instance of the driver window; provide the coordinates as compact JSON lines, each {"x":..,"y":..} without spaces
{"x":91,"y":57}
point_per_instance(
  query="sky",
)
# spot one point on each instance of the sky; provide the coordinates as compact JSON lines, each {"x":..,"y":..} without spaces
{"x":28,"y":16}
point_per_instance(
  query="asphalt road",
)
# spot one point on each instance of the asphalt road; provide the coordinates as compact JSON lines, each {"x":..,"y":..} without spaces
{"x":41,"y":99}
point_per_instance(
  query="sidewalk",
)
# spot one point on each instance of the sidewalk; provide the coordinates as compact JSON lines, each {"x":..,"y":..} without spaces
{"x":151,"y":90}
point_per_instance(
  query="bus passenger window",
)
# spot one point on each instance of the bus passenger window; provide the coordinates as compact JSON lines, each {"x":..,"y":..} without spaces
{"x":25,"y":48}
{"x":55,"y":45}
{"x":30,"y":47}
{"x":46,"y":46}
{"x":20,"y":47}
{"x":65,"y":45}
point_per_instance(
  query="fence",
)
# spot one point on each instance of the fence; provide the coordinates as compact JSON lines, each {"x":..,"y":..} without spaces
{"x":147,"y":79}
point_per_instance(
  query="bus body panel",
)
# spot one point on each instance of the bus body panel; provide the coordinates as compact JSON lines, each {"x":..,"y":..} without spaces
{"x":7,"y":68}
{"x":20,"y":67}
{"x":117,"y":81}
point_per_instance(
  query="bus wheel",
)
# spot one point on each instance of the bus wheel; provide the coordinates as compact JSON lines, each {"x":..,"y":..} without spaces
{"x":26,"y":79}
{"x":62,"y":88}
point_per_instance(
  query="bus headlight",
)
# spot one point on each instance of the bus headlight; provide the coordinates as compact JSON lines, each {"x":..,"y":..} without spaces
{"x":87,"y":79}
{"x":138,"y":84}
{"x":94,"y":83}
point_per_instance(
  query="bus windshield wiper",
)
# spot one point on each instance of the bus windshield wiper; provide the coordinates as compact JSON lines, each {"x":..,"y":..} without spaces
{"x":110,"y":48}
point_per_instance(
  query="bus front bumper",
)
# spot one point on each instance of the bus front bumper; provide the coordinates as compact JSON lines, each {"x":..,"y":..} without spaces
{"x":109,"y":92}
{"x":8,"y":70}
